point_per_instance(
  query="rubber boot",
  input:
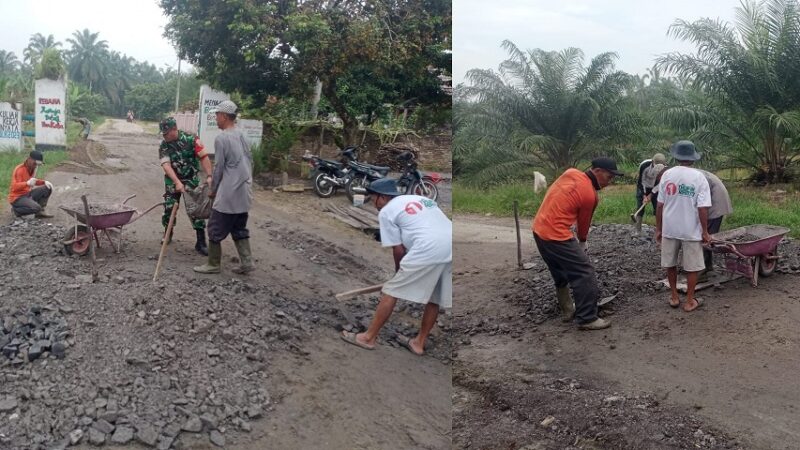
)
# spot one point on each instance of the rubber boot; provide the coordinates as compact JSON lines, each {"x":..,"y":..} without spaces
{"x":245,"y":257}
{"x":597,"y":324}
{"x":43,"y":214}
{"x":639,"y":224}
{"x":214,"y":258}
{"x":200,"y":246}
{"x":566,"y":304}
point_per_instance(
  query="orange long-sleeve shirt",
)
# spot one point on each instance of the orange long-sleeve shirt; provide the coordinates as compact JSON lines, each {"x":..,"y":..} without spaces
{"x":19,"y":183}
{"x":571,"y":199}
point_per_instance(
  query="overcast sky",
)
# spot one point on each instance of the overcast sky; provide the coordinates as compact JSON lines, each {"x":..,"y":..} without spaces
{"x":634,"y":29}
{"x":132,"y":27}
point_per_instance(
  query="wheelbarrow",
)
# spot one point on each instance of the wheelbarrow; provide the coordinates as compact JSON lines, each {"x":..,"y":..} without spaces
{"x":102,"y":218}
{"x":749,"y":251}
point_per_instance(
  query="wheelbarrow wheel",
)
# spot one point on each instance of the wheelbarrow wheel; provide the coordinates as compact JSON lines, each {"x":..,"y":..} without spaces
{"x":81,"y":240}
{"x":767,"y":264}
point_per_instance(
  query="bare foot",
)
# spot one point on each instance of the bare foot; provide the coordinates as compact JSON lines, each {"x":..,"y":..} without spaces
{"x":675,"y":301}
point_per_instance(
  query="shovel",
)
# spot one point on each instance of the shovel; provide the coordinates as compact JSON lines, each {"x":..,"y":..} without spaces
{"x":633,"y":216}
{"x":350,"y":294}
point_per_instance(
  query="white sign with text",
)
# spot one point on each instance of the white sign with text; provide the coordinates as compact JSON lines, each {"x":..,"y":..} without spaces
{"x":50,"y":113}
{"x":10,"y":127}
{"x":208,"y":130}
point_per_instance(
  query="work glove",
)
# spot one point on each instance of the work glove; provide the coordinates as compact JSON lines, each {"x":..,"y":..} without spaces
{"x":32,"y":182}
{"x":585,"y":246}
{"x":49,"y":185}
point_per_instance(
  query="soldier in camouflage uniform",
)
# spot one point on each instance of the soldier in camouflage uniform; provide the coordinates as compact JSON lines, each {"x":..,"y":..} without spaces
{"x":181,"y":155}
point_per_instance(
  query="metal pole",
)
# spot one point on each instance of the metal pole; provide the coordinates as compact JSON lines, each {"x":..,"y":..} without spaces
{"x":178,"y":90}
{"x":519,"y":240}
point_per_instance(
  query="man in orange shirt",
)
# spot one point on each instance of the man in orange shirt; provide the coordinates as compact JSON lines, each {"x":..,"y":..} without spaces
{"x":27,"y":194}
{"x":569,"y":202}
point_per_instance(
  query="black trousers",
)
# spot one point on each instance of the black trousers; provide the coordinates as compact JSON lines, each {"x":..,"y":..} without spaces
{"x":570,"y":265}
{"x":222,"y":224}
{"x":640,"y":199}
{"x":32,"y":202}
{"x":713,"y":227}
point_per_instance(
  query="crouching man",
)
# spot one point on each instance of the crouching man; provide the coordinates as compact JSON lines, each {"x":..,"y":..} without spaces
{"x":420,"y":236}
{"x":28,"y":194}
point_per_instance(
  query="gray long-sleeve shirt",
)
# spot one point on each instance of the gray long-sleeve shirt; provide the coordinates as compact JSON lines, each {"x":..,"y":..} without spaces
{"x":233,"y":174}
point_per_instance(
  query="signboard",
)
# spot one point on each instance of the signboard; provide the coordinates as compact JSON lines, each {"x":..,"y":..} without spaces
{"x":208,"y":130}
{"x":252,"y":130}
{"x":10,"y":127}
{"x":50,"y":113}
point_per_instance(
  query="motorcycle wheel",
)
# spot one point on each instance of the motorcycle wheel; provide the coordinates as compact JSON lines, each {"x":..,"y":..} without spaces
{"x":426,"y":189}
{"x":322,"y":187}
{"x":357,"y":182}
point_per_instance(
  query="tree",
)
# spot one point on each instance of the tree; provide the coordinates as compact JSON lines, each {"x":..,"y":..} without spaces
{"x":8,"y":62}
{"x":150,"y":101}
{"x":748,"y":73}
{"x":269,"y":47}
{"x":36,"y":46}
{"x":51,"y":65}
{"x":87,"y":57}
{"x":543,"y":109}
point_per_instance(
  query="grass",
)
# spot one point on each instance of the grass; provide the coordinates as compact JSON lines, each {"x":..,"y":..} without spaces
{"x":773,"y":205}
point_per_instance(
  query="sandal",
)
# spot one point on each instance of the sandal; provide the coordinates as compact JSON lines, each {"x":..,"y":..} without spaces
{"x":405,"y":341}
{"x":674,"y":305}
{"x":350,"y":338}
{"x":699,"y":304}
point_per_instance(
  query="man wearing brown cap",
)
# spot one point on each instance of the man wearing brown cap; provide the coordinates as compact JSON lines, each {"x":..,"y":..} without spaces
{"x":569,"y":202}
{"x":28,"y":194}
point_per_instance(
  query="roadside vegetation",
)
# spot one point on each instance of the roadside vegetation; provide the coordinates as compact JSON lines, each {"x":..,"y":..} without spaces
{"x":736,"y":97}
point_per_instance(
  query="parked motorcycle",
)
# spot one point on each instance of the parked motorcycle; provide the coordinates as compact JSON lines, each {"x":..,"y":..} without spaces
{"x":328,"y":175}
{"x":363,"y":174}
{"x":415,"y":181}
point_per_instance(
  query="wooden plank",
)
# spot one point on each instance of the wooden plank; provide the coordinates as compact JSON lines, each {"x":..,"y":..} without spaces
{"x":715,"y":279}
{"x":346,"y":219}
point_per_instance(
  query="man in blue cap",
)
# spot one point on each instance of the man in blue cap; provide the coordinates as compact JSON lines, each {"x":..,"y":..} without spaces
{"x":682,"y":221}
{"x":420,"y":236}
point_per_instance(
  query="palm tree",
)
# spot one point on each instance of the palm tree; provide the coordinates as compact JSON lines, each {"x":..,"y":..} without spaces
{"x":36,"y":46}
{"x":87,"y":57}
{"x":545,"y":109}
{"x":8,"y":62}
{"x":748,"y":71}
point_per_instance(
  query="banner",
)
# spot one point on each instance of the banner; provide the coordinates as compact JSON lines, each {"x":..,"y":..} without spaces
{"x":252,"y":130}
{"x":208,"y":130}
{"x":50,"y":114}
{"x":10,"y":127}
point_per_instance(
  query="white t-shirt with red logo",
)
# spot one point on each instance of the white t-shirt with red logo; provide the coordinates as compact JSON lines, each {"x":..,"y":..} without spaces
{"x":422,"y":228}
{"x":682,"y":190}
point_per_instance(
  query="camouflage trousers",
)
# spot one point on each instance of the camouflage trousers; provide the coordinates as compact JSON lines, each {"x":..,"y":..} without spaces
{"x":170,"y":196}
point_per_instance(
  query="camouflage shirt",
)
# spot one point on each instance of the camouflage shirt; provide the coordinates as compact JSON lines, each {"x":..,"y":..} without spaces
{"x":183,"y":154}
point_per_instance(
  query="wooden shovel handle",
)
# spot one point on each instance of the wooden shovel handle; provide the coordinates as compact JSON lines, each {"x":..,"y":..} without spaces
{"x":355,"y":292}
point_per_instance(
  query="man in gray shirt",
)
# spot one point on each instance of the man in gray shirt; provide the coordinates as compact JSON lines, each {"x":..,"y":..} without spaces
{"x":232,"y":191}
{"x":720,"y":207}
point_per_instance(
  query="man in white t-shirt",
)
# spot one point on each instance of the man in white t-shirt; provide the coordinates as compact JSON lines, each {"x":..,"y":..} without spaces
{"x":682,"y":221}
{"x":420,"y":236}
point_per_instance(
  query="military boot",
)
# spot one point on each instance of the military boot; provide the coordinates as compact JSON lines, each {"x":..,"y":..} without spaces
{"x":214,"y":258}
{"x":200,"y":246}
{"x":245,"y":257}
{"x":566,"y":304}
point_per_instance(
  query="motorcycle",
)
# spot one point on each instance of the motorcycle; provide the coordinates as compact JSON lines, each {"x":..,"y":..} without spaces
{"x":328,"y":175}
{"x":362,"y":175}
{"x":415,"y":181}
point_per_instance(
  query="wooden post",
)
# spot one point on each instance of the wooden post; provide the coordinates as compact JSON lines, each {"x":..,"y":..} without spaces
{"x":91,"y":238}
{"x":166,"y":237}
{"x":519,"y":241}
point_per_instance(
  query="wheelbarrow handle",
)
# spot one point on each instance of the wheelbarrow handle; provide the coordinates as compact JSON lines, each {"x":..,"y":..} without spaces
{"x":126,"y":200}
{"x":139,"y":215}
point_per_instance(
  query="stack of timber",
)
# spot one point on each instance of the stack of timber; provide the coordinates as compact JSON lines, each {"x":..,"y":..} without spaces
{"x":363,"y":219}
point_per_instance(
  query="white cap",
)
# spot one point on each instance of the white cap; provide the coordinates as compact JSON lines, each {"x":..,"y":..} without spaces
{"x":226,"y":106}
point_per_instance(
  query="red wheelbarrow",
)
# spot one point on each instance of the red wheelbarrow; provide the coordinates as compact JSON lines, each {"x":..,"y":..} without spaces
{"x":749,"y":251}
{"x":102,"y":217}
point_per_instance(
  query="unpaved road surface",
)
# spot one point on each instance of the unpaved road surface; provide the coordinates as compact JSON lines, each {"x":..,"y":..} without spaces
{"x":192,"y":361}
{"x":724,"y":376}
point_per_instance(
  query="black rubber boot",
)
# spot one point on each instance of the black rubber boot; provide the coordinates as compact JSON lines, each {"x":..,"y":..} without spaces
{"x":200,"y":246}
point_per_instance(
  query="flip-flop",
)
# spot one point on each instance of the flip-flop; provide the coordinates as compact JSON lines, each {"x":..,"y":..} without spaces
{"x":350,"y":338}
{"x":405,"y":341}
{"x":677,"y":305}
{"x":699,"y":304}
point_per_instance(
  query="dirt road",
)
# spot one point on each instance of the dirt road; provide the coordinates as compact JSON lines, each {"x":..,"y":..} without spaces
{"x":318,"y":391}
{"x":722,"y":377}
